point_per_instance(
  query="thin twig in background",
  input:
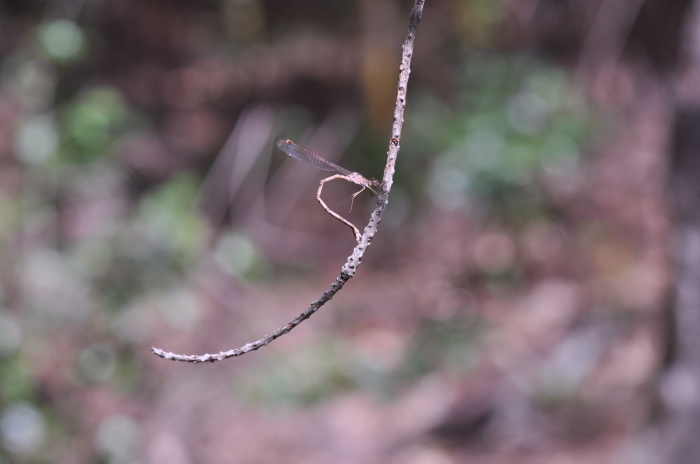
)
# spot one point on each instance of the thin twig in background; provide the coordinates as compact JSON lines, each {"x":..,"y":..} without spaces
{"x":350,"y":266}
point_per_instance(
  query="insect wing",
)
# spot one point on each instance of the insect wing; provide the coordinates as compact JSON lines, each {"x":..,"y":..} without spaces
{"x":305,"y":156}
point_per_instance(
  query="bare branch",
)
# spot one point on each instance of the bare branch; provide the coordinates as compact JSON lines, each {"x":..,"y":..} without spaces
{"x":348,"y":269}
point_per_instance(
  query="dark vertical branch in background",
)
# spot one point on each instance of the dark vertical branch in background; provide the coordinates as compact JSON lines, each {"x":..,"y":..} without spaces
{"x":680,"y":385}
{"x":677,"y":431}
{"x":350,"y":266}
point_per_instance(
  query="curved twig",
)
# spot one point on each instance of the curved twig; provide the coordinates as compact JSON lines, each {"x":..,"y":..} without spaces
{"x":348,"y":269}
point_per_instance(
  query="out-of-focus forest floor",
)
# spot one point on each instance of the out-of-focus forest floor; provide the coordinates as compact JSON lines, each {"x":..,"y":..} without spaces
{"x":512,"y":307}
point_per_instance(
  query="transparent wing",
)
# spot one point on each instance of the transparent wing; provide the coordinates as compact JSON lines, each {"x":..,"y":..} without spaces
{"x":307,"y":157}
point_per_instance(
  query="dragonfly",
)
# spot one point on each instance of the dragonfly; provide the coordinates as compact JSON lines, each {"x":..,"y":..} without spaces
{"x":300,"y":153}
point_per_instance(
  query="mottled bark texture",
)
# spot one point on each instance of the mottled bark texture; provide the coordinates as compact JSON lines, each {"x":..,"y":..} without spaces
{"x":350,"y":266}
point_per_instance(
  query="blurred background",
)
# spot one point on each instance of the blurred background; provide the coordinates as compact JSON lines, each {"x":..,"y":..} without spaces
{"x":522,"y":302}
